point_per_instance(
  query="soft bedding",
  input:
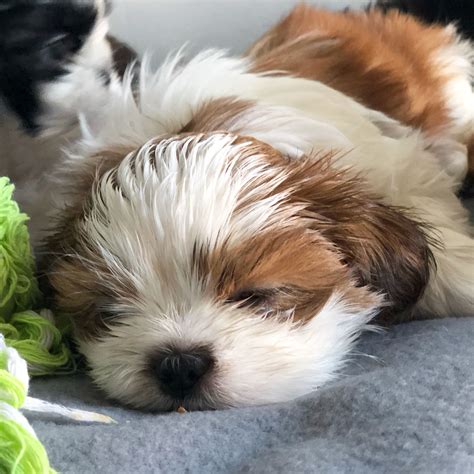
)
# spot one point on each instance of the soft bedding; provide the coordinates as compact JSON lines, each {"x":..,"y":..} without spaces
{"x":407,"y":408}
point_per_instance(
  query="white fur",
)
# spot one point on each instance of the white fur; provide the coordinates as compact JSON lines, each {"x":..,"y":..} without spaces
{"x":456,"y":63}
{"x":259,"y":360}
{"x":147,"y":218}
{"x":80,"y":90}
{"x":178,"y":194}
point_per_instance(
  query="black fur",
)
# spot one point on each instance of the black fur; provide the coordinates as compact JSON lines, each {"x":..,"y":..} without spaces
{"x":460,"y":12}
{"x":38,"y":38}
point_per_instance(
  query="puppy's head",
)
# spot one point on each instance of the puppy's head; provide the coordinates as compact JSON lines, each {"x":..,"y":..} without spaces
{"x":209,"y":270}
{"x":55,"y":60}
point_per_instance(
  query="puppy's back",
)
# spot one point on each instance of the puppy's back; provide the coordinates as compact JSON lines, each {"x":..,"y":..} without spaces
{"x":391,"y":62}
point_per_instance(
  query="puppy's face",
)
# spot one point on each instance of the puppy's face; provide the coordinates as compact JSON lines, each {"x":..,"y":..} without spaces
{"x":210,"y":271}
{"x":55,"y":60}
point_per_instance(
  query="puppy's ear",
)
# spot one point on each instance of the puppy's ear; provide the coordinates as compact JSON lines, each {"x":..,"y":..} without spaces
{"x":123,"y":56}
{"x":386,"y":248}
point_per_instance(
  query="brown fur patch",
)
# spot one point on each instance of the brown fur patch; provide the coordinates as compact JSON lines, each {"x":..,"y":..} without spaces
{"x":79,"y":191}
{"x":296,"y":268}
{"x":382,"y":60}
{"x":71,"y":268}
{"x":86,"y":289}
{"x":384,"y":247}
{"x":338,"y":223}
{"x":218,"y":114}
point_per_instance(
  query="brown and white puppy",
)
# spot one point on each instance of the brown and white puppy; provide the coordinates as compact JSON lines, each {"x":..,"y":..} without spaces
{"x":229,"y":234}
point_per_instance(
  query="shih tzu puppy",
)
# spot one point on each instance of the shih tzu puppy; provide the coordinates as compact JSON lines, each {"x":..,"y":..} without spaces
{"x":231,"y":225}
{"x":56,"y":62}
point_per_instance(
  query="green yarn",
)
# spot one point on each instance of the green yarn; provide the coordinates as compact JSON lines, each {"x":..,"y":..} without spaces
{"x":18,"y":287}
{"x":20,"y":450}
{"x":39,"y":342}
{"x":25,"y":335}
{"x":12,"y":391}
{"x":33,"y":334}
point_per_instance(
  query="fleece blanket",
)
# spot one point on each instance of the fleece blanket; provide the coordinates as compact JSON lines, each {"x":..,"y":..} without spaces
{"x":406,"y":408}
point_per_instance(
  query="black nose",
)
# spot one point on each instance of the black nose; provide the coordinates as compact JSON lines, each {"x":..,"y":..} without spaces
{"x":179,"y":372}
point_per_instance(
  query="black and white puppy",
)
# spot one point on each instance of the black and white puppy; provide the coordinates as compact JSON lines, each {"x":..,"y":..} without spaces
{"x":56,"y":63}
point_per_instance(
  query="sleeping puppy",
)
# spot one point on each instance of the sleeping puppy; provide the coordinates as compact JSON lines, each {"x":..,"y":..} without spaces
{"x":228,"y":234}
{"x":56,"y":63}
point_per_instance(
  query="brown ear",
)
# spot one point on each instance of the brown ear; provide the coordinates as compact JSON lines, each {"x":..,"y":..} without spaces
{"x":388,"y":251}
{"x":386,"y":247}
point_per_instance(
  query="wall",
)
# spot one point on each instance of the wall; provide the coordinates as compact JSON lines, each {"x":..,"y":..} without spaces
{"x":165,"y":25}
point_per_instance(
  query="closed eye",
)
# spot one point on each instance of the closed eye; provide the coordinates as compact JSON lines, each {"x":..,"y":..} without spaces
{"x":253,"y":298}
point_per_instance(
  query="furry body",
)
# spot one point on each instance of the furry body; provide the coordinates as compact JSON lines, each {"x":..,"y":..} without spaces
{"x":227,"y":234}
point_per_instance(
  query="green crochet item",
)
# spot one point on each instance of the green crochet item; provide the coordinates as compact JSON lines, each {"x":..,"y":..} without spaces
{"x":18,"y":287}
{"x":25,"y":335}
{"x":33,"y":334}
{"x":20,"y":450}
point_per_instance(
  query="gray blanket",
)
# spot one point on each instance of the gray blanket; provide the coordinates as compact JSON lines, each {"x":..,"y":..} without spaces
{"x":407,"y":409}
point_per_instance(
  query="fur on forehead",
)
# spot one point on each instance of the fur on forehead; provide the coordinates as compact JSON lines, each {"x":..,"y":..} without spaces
{"x":154,"y":213}
{"x":207,"y":178}
{"x":152,"y":221}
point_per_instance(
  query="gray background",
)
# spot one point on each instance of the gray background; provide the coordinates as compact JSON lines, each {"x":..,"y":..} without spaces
{"x":161,"y":26}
